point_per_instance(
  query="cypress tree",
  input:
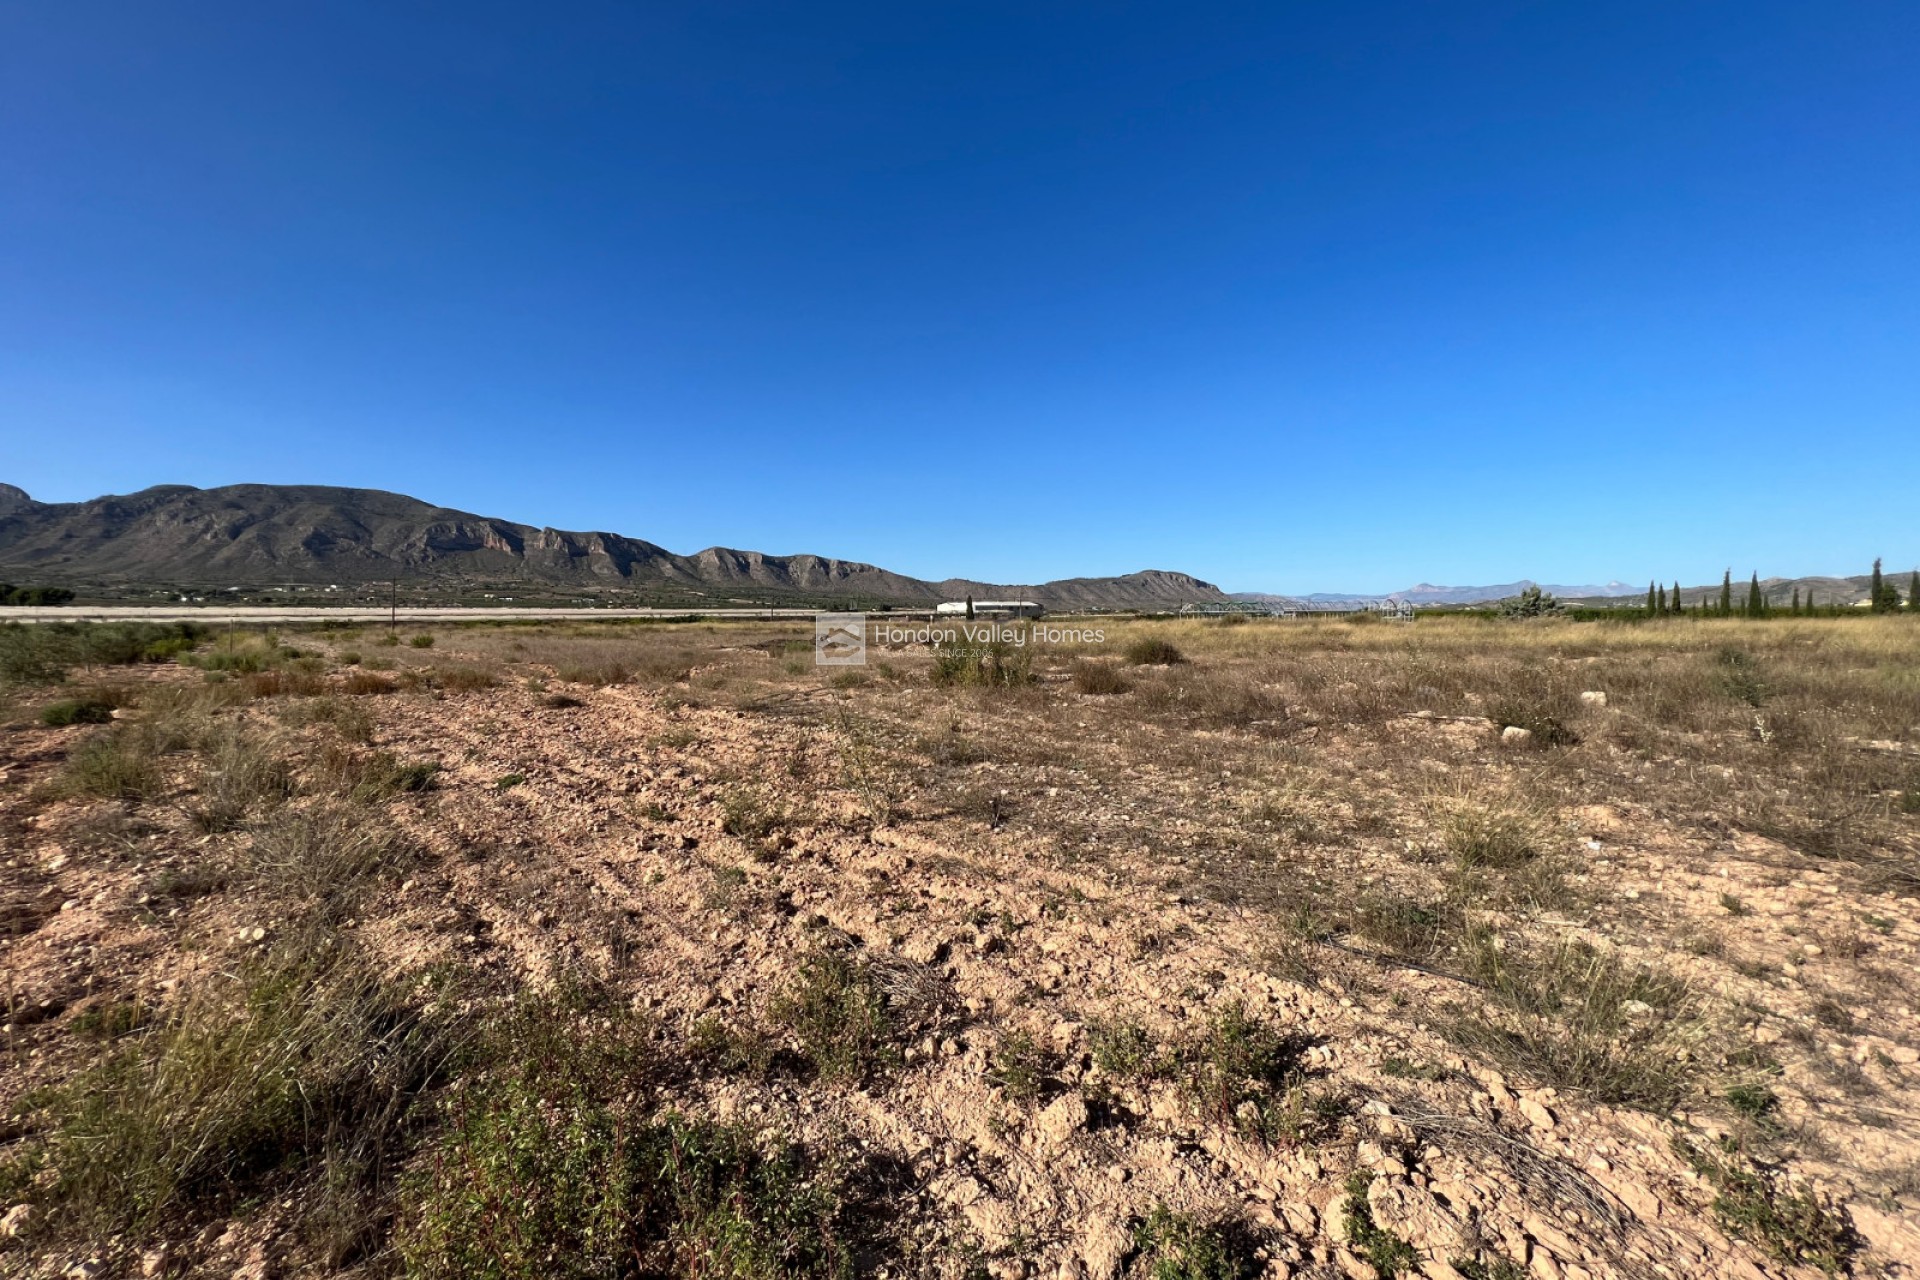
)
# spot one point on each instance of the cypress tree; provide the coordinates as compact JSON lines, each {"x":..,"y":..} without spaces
{"x":1677,"y":606}
{"x":1913,"y":592}
{"x":1649,"y":599}
{"x":1726,"y":595}
{"x":1877,"y":590}
{"x":1796,"y":602}
{"x":1661,"y":604}
{"x":1756,"y":603}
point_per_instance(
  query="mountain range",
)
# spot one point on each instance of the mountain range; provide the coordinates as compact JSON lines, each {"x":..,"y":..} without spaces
{"x":313,"y":538}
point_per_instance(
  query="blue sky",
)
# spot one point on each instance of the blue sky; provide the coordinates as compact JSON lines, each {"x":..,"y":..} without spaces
{"x":1287,"y":296}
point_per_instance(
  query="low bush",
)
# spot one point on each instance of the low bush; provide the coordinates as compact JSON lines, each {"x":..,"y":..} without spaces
{"x":1239,"y":1071}
{"x":1385,"y":1252}
{"x":70,"y":711}
{"x":997,"y":665}
{"x":1153,"y":651}
{"x":1179,"y":1246}
{"x":547,"y":1168}
{"x":1794,"y":1225}
{"x":421,"y":641}
{"x":238,"y":770}
{"x":1022,"y":1067}
{"x":1098,"y":678}
{"x":839,"y":1018}
{"x":305,"y":1061}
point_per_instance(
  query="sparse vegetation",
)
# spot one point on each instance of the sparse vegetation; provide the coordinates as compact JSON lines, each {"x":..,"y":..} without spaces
{"x":1178,"y":1246}
{"x":1792,"y":1224}
{"x":1385,"y":1252}
{"x":638,"y":943}
{"x":839,"y":1017}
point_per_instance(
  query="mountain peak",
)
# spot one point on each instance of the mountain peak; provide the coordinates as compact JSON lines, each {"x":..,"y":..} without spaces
{"x":13,"y":498}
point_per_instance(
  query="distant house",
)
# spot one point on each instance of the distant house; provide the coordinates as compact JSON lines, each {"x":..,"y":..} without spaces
{"x":991,"y":609}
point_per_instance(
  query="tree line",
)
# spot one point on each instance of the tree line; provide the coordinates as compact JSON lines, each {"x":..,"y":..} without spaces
{"x":1882,"y":597}
{"x":10,"y":594}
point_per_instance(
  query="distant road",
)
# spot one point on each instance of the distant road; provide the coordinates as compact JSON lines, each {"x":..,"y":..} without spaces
{"x":215,"y":614}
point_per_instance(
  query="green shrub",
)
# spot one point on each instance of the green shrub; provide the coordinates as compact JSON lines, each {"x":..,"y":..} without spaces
{"x":421,"y":641}
{"x":1240,"y":1071}
{"x":1124,"y":1049}
{"x":1021,"y":1066}
{"x":1177,"y":1246}
{"x":1386,"y":1252}
{"x":547,"y":1168}
{"x":1793,"y":1225}
{"x":69,"y":711}
{"x":839,"y":1016}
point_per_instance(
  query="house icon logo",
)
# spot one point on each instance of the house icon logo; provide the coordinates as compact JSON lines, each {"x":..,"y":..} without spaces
{"x":840,"y":639}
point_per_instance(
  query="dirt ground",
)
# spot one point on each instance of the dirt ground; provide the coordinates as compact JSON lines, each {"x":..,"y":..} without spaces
{"x":1285,"y":957}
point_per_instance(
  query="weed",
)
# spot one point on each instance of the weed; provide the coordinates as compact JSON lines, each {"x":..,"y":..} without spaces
{"x":1740,"y":677}
{"x":1022,"y":1066}
{"x":323,"y":853}
{"x":364,"y":683}
{"x":1124,"y":1050}
{"x":546,"y":1169}
{"x":1178,"y":1246}
{"x":116,"y":764}
{"x":1792,"y":1224}
{"x":464,"y":679}
{"x":238,"y":770}
{"x":839,"y":1016}
{"x":749,"y":815}
{"x":1496,"y":1269}
{"x":307,"y":1058}
{"x":113,"y":1021}
{"x":714,"y":1044}
{"x":509,"y":781}
{"x":1490,"y":836}
{"x":1754,"y":1102}
{"x":1386,"y":1252}
{"x":1239,"y":1070}
{"x":997,"y":665}
{"x":1405,"y":1069}
{"x":1733,"y":906}
{"x":421,"y":641}
{"x":1580,"y":1019}
{"x":1544,"y":711}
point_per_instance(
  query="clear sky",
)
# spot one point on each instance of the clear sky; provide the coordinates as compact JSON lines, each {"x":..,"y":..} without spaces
{"x":1288,"y":296}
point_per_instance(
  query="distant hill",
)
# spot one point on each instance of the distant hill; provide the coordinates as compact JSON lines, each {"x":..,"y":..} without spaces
{"x":314,"y":537}
{"x":1778,"y":591}
{"x":1427,"y":593}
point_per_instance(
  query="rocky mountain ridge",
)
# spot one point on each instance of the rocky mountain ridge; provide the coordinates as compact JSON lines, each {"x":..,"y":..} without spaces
{"x":315,"y":537}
